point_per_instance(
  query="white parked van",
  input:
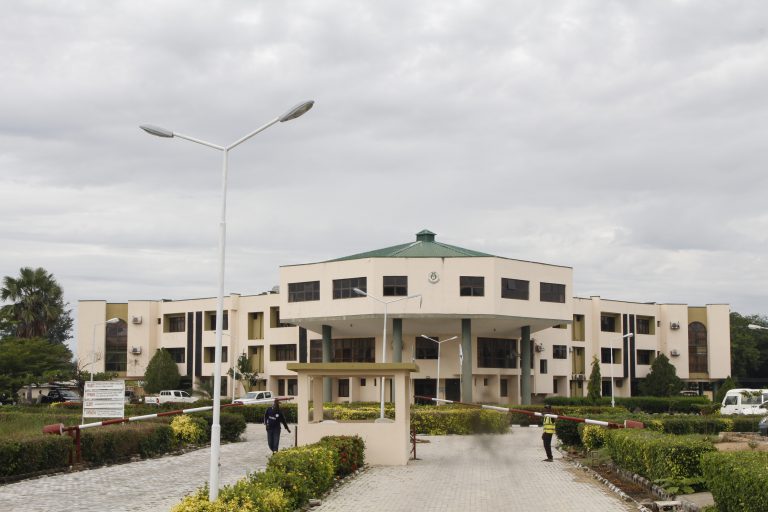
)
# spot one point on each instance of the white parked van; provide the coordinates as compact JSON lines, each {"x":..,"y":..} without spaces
{"x":744,"y":401}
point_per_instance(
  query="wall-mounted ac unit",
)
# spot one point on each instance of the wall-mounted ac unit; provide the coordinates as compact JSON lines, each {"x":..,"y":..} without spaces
{"x":136,"y":350}
{"x":674,"y":325}
{"x":674,"y":352}
{"x":136,"y":319}
{"x":539,"y":347}
{"x":578,"y":376}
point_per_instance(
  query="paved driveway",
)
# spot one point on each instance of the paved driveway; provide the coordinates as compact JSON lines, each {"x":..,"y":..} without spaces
{"x":455,"y":473}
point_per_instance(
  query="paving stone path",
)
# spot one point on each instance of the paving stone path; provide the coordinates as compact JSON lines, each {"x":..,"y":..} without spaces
{"x":455,"y":473}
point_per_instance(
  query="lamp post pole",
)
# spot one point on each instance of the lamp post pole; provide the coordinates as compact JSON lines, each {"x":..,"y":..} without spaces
{"x":384,"y":337}
{"x":293,"y":113}
{"x":613,"y":382}
{"x":93,"y":348}
{"x":439,"y":344}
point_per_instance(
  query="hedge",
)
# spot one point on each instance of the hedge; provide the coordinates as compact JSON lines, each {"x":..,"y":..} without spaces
{"x":291,"y":478}
{"x":119,"y":442}
{"x":447,"y":420}
{"x":738,"y":481}
{"x":255,"y":413}
{"x":30,"y":455}
{"x":232,"y":425}
{"x":649,"y":404}
{"x":656,"y":456}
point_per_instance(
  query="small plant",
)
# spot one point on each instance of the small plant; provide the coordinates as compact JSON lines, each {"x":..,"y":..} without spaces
{"x":189,"y":429}
{"x":752,"y":444}
{"x":682,"y":485}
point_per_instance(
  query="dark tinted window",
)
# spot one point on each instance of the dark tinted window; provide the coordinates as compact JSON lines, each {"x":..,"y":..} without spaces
{"x":303,"y":292}
{"x":514,"y":289}
{"x":344,"y":288}
{"x":471,"y":286}
{"x":552,"y":292}
{"x":395,"y":286}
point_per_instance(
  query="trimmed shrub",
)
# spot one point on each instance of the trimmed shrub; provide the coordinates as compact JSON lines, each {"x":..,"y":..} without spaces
{"x":159,"y":441}
{"x":255,"y":413}
{"x":302,"y":473}
{"x":243,"y":497}
{"x":447,"y":420}
{"x":39,"y":453}
{"x":119,"y":442}
{"x":232,"y":425}
{"x":189,"y":429}
{"x":656,"y":456}
{"x":681,"y":425}
{"x":649,"y":404}
{"x":737,"y":480}
{"x":744,"y":423}
{"x":592,"y":436}
{"x":348,"y":451}
{"x":568,"y":432}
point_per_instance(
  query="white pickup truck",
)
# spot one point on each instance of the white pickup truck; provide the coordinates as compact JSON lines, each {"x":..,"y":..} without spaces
{"x":170,"y":395}
{"x":256,"y":397}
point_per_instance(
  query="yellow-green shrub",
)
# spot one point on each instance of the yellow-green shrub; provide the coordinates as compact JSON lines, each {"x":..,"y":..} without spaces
{"x":593,"y":436}
{"x":738,"y":481}
{"x":241,"y":497}
{"x":445,"y":420}
{"x":189,"y":429}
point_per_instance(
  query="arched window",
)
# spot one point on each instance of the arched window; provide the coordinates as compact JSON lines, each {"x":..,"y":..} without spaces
{"x":116,"y":357}
{"x":697,"y":348}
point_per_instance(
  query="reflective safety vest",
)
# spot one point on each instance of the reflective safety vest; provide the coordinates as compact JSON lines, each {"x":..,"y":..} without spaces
{"x":549,"y":425}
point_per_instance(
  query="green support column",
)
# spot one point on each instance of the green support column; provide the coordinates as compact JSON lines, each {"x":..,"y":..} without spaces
{"x":327,"y":337}
{"x":466,"y":362}
{"x":525,"y":366}
{"x":397,"y":340}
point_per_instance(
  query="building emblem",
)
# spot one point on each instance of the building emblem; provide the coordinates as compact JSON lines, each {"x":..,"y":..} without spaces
{"x":433,"y":277}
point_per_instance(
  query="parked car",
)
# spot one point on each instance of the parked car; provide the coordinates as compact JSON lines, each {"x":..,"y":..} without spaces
{"x":170,"y":395}
{"x":256,"y":397}
{"x":744,"y":401}
{"x":60,"y":395}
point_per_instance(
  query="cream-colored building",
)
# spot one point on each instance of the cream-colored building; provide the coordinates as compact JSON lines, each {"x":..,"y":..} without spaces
{"x":519,"y":331}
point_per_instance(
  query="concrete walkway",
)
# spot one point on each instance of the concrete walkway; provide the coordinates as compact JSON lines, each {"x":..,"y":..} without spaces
{"x":455,"y":473}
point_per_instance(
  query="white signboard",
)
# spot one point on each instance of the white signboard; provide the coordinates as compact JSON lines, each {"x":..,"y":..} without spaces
{"x":104,"y":399}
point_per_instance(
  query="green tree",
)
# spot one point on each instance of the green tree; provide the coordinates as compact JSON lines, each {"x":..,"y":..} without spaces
{"x":162,"y":373}
{"x":662,"y":380}
{"x":727,"y":385}
{"x":244,"y":372}
{"x":31,"y":361}
{"x":36,"y":307}
{"x":594,"y":387}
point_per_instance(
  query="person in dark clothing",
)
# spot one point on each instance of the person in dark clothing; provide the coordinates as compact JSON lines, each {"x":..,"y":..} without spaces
{"x":549,"y":430}
{"x":272,"y":419}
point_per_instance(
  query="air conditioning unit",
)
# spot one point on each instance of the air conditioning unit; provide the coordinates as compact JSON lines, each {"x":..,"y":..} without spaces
{"x":539,"y":347}
{"x":674,"y":325}
{"x":136,"y":350}
{"x":136,"y":319}
{"x":674,"y":352}
{"x":578,"y":376}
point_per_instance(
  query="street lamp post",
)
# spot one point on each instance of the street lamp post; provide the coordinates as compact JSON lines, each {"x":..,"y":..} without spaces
{"x":439,"y":344}
{"x":613,"y":382}
{"x":384,"y":337}
{"x":293,"y":113}
{"x":93,"y":348}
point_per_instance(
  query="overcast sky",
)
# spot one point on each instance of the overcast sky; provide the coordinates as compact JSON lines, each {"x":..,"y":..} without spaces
{"x":627,"y":140}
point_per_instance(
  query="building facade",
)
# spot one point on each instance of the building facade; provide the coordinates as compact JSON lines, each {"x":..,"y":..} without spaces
{"x":509,"y":331}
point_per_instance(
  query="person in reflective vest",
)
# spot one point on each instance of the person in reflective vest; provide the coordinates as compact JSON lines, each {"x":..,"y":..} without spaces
{"x":549,"y":430}
{"x":272,"y":419}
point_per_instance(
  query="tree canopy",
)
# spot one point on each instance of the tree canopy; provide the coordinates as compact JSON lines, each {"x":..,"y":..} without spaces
{"x":35,"y":308}
{"x":31,"y":361}
{"x":162,"y":373}
{"x":749,"y":348}
{"x":594,"y":387}
{"x":662,"y":380}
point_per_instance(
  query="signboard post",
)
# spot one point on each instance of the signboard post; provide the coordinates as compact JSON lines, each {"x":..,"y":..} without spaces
{"x":104,"y":399}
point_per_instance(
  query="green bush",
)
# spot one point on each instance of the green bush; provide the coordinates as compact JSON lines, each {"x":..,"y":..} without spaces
{"x":189,"y":429}
{"x":655,"y":456}
{"x":232,"y":425}
{"x":738,"y":481}
{"x":243,"y":496}
{"x":38,"y":453}
{"x":448,"y":420}
{"x":744,"y":423}
{"x":349,"y":453}
{"x":681,"y":425}
{"x":158,"y":441}
{"x":592,"y":436}
{"x":648,"y":404}
{"x":568,"y":432}
{"x":303,"y":472}
{"x":103,"y":445}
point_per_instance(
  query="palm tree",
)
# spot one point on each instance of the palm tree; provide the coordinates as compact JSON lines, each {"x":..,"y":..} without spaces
{"x":36,"y":308}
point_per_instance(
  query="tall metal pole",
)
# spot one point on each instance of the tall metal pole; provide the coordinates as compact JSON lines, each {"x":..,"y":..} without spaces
{"x":383,"y":360}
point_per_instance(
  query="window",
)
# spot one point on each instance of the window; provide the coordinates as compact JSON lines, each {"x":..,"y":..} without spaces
{"x":496,"y":353}
{"x":344,"y":288}
{"x":543,"y":366}
{"x":697,"y":348}
{"x":177,"y":354}
{"x":293,"y":387}
{"x":731,"y":400}
{"x":554,"y":385}
{"x":362,"y":382}
{"x":285,"y":352}
{"x":503,"y":387}
{"x":559,"y":352}
{"x":209,"y":354}
{"x":609,"y":322}
{"x":646,"y":356}
{"x":348,"y":350}
{"x":514,"y":289}
{"x":343,"y":387}
{"x":210,"y":321}
{"x":316,"y":351}
{"x":426,"y":349}
{"x":116,"y":347}
{"x":395,"y":286}
{"x":281,"y":386}
{"x":174,"y":323}
{"x":605,"y":355}
{"x":303,"y":292}
{"x":645,"y":325}
{"x":471,"y":286}
{"x":552,"y":292}
{"x":256,"y":325}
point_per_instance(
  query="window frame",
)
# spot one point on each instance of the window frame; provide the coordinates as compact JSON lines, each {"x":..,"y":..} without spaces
{"x":522,"y":293}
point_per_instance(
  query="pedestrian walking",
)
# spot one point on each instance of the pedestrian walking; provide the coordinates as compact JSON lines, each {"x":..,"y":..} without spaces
{"x":549,"y":430}
{"x":272,"y":419}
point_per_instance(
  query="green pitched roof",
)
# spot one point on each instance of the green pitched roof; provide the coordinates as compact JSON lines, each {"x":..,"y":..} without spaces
{"x":424,"y":247}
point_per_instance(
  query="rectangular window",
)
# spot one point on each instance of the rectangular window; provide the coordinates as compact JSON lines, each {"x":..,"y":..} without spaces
{"x":209,"y":355}
{"x":609,"y":322}
{"x":303,"y":292}
{"x":210,"y":321}
{"x":552,"y":292}
{"x":395,"y":286}
{"x":646,"y":356}
{"x":645,"y":325}
{"x":503,"y":388}
{"x":554,"y":385}
{"x":285,"y":352}
{"x":543,"y":366}
{"x":471,"y":286}
{"x":605,"y":355}
{"x":362,"y":382}
{"x":293,"y":387}
{"x":353,"y":350}
{"x":256,"y":325}
{"x":174,"y":323}
{"x":426,"y":349}
{"x":316,"y":351}
{"x":178,"y":354}
{"x":559,"y":352}
{"x":281,"y":387}
{"x":344,"y":288}
{"x":514,"y":289}
{"x":496,"y":353}
{"x":343,"y":387}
